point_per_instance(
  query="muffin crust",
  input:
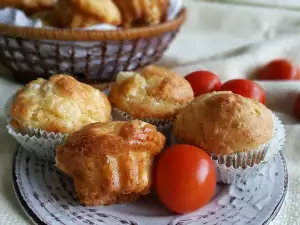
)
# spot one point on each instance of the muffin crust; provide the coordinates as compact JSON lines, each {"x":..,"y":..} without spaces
{"x":224,"y":123}
{"x":153,"y":92}
{"x":60,"y":104}
{"x":111,"y":162}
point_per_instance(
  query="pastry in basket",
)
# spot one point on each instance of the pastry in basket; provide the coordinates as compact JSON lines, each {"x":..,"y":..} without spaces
{"x":238,"y":132}
{"x":110,"y":162}
{"x":73,"y":18}
{"x":60,"y":105}
{"x":28,"y":6}
{"x":105,"y":10}
{"x":153,"y":94}
{"x":81,"y":13}
{"x":143,"y":12}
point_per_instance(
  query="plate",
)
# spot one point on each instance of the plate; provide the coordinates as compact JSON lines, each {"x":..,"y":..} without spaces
{"x":48,"y":197}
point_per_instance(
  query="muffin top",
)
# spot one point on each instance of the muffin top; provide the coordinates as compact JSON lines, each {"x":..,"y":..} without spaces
{"x":109,"y":162}
{"x":153,"y":92}
{"x":224,"y":123}
{"x":60,"y":104}
{"x":113,"y":138}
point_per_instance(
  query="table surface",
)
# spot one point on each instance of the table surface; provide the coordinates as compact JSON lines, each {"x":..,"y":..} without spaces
{"x":227,"y":39}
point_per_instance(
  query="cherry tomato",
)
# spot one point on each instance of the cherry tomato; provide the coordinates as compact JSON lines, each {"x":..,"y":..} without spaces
{"x":246,"y":88}
{"x":279,"y":69}
{"x":185,"y":178}
{"x":203,"y":82}
{"x":297,"y":107}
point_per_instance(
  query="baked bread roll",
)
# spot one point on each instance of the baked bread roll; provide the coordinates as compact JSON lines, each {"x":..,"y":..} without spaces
{"x":110,"y":162}
{"x":105,"y":10}
{"x":224,"y":123}
{"x":81,"y":13}
{"x":60,"y":104}
{"x":143,"y":12}
{"x":153,"y":92}
{"x":29,"y":6}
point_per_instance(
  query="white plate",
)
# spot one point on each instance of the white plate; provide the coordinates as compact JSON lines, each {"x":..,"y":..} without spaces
{"x":48,"y":198}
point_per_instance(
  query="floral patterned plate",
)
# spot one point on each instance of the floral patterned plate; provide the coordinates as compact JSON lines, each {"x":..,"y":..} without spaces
{"x":48,"y":197}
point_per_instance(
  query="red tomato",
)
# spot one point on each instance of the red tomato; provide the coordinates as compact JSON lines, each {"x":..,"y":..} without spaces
{"x":297,"y":107}
{"x":246,"y":88}
{"x":203,"y":82}
{"x":279,"y":69}
{"x":185,"y":178}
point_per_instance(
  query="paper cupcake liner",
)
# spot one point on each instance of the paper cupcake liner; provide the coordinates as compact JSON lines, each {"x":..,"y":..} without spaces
{"x":230,"y":166}
{"x":161,"y":124}
{"x":39,"y":142}
{"x":42,"y":146}
{"x":227,"y":175}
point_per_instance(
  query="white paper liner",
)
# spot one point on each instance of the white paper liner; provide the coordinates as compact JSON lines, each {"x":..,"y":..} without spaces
{"x":227,"y":175}
{"x":15,"y":17}
{"x":39,"y":142}
{"x":249,"y":163}
{"x":42,"y":147}
{"x":230,"y":165}
{"x":161,"y":124}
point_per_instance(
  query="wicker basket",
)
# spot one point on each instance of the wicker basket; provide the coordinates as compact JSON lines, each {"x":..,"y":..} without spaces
{"x":92,"y":56}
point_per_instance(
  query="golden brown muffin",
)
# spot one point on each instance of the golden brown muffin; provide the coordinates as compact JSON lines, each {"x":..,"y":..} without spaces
{"x":223,"y":123}
{"x":143,"y":12}
{"x":153,"y":92}
{"x":60,"y":104}
{"x":110,"y":162}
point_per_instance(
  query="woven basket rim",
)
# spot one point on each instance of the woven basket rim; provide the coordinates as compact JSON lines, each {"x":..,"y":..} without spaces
{"x":93,"y":35}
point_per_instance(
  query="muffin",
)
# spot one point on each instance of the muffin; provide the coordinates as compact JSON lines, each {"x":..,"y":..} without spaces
{"x":237,"y":132}
{"x":153,"y":94}
{"x":110,"y":162}
{"x":47,"y":110}
{"x":84,"y":13}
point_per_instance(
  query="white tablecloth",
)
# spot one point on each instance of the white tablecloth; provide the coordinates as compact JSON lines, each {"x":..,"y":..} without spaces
{"x":230,"y":40}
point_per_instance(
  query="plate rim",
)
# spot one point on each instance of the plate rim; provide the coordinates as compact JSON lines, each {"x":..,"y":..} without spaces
{"x":36,"y":220}
{"x":28,"y":211}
